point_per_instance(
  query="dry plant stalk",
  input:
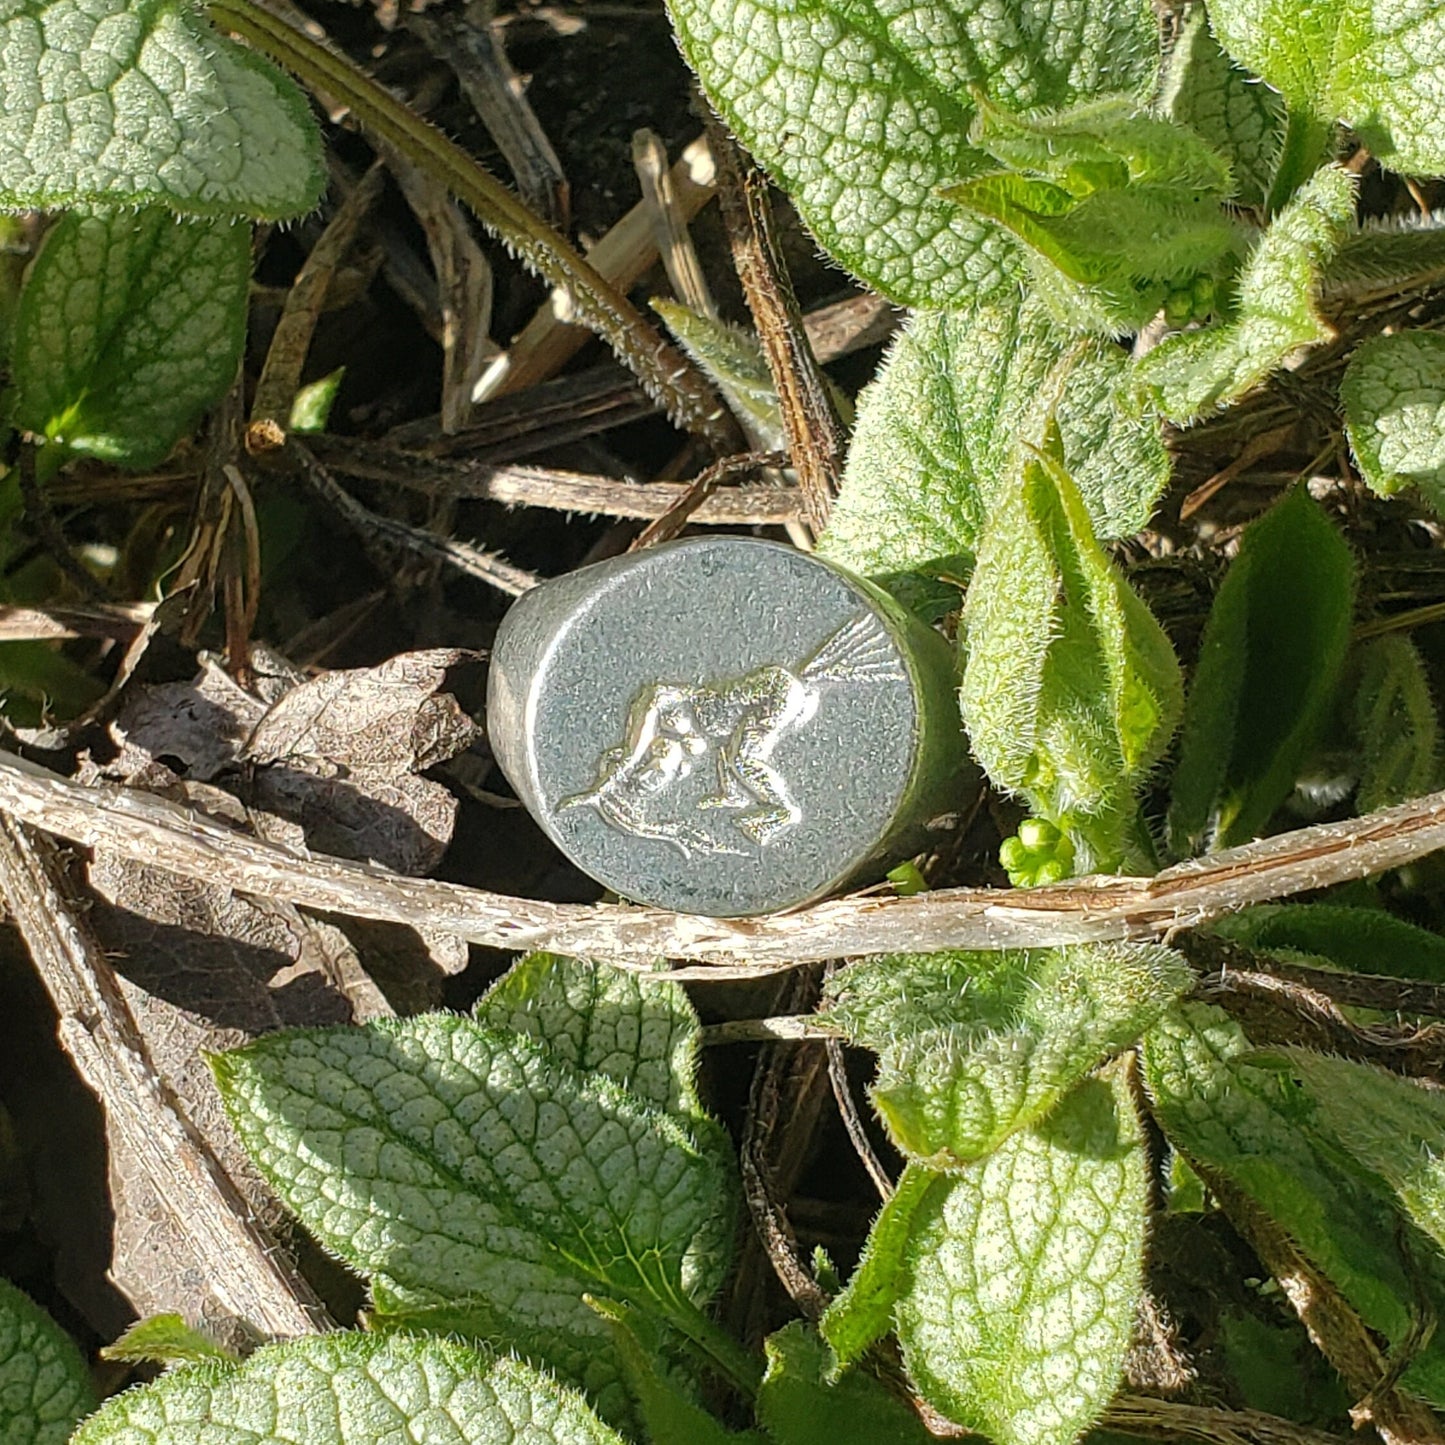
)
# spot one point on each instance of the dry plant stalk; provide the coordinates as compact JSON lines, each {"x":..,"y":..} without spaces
{"x":144,"y":826}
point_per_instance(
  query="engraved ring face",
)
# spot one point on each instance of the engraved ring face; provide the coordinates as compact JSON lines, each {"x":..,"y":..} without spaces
{"x":720,"y":726}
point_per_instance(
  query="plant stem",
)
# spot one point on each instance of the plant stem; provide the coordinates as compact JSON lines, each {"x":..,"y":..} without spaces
{"x":667,"y":376}
{"x":1306,"y":145}
{"x":725,"y":1354}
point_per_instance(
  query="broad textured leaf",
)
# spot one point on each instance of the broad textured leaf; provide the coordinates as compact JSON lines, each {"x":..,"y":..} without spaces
{"x":129,"y":326}
{"x":1227,"y":106}
{"x":352,"y":1389}
{"x":166,"y":1340}
{"x":937,"y":439}
{"x":1395,"y":726}
{"x":1017,"y":1305}
{"x":949,"y":1097}
{"x":862,"y":111}
{"x":1378,"y":65}
{"x":44,"y":1384}
{"x":1392,"y":1126}
{"x":1367,"y":940}
{"x":132,"y":103}
{"x":799,"y":1405}
{"x":1394,"y":397}
{"x":457,"y":1165}
{"x":1253,"y":1125}
{"x":1269,"y":661}
{"x":883,"y":999}
{"x":640,"y":1032}
{"x":1071,"y":690}
{"x":1273,"y":315}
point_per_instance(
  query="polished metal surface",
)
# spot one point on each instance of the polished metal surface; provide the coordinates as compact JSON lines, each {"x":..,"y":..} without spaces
{"x":724,"y":726}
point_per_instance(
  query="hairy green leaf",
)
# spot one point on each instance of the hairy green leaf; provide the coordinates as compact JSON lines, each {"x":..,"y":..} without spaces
{"x":1272,"y":653}
{"x":640,"y":1032}
{"x":1273,"y":313}
{"x":133,"y":103}
{"x":455,"y":1165}
{"x":800,"y":1405}
{"x":129,"y":326}
{"x":1367,"y":940}
{"x":937,"y":440}
{"x":1385,"y":257}
{"x":1017,"y":1304}
{"x":1393,"y":718}
{"x":1113,"y":208}
{"x":862,"y":113}
{"x":1244,"y":120}
{"x":1071,"y":690}
{"x":1253,"y":1125}
{"x":166,"y":1340}
{"x":1394,"y":397}
{"x":44,"y":1385}
{"x":1377,"y":65}
{"x":949,"y":1097}
{"x":1392,"y":1126}
{"x":351,"y":1389}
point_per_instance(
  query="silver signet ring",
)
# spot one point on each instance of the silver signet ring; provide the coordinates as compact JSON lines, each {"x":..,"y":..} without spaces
{"x":724,"y":726}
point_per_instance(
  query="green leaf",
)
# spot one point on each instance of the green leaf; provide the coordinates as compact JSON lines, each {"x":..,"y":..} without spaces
{"x":800,"y":1405}
{"x":129,"y":326}
{"x":1244,"y":120}
{"x":133,"y":103}
{"x":863,"y":1313}
{"x":456,"y":1165}
{"x":937,"y":442}
{"x":1071,"y":690}
{"x":640,"y":1032}
{"x":1394,"y":398}
{"x":351,"y":1389}
{"x":1368,"y":940}
{"x":1017,"y":1305}
{"x":1113,"y":208}
{"x":1394,"y":1127}
{"x":1253,"y":1125}
{"x":1396,"y":729}
{"x":1272,"y":653}
{"x":862,"y":112}
{"x":949,"y":1097}
{"x":668,"y":1411}
{"x":45,"y":1387}
{"x":1273,"y":314}
{"x":1377,"y":65}
{"x":166,"y":1340}
{"x":1386,"y":257}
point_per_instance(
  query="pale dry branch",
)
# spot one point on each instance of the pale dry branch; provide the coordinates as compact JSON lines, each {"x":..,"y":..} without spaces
{"x":145,"y":826}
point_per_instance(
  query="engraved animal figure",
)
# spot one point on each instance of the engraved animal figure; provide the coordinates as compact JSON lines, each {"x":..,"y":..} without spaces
{"x":731,"y":726}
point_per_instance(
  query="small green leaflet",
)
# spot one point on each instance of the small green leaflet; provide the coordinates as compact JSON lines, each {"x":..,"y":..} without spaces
{"x":460,"y":1166}
{"x":1377,"y":65}
{"x":129,"y":326}
{"x":44,"y":1384}
{"x":1272,"y":316}
{"x":166,"y":1340}
{"x":351,"y":1389}
{"x":1271,"y":656}
{"x":1228,"y":107}
{"x":937,"y":439}
{"x":1394,"y":397}
{"x":1395,"y":726}
{"x":1367,"y":940}
{"x":130,"y":103}
{"x":1014,"y":1283}
{"x":949,"y":1096}
{"x":862,"y":113}
{"x":1071,"y":690}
